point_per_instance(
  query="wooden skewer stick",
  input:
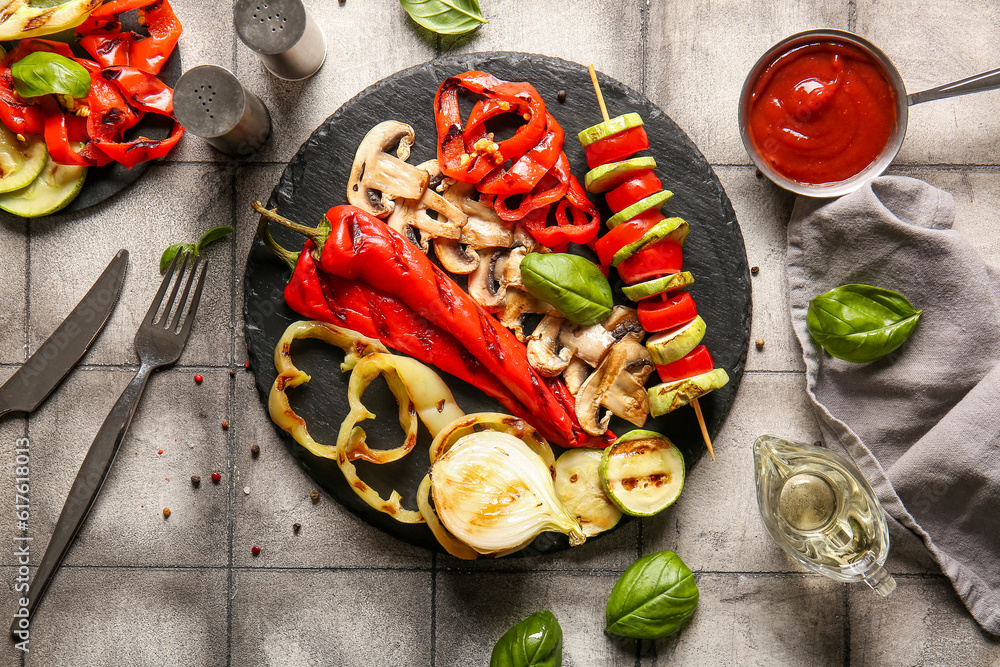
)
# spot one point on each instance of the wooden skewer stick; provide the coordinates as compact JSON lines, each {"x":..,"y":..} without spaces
{"x":694,"y":403}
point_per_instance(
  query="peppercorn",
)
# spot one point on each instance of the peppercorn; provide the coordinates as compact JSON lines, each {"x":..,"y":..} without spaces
{"x":232,"y":372}
{"x":255,"y":550}
{"x":195,"y":480}
{"x":216,"y":477}
{"x":561,"y":96}
{"x":296,"y":526}
{"x":199,"y":379}
{"x":759,"y":174}
{"x":225,"y":423}
{"x":255,"y":451}
{"x":760,"y":343}
{"x":166,"y":512}
{"x":754,"y":270}
{"x":314,"y":496}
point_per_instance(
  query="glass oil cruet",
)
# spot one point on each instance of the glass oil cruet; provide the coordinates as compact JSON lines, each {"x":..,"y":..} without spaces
{"x":820,"y":509}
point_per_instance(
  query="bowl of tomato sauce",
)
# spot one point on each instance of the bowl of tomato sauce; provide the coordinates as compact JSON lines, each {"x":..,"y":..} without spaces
{"x":822,"y":112}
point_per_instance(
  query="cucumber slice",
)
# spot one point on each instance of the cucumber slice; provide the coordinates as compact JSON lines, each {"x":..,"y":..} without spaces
{"x":609,"y":128}
{"x":652,"y":201}
{"x":578,"y":486}
{"x":55,"y":187}
{"x":669,"y":346}
{"x":642,"y":473}
{"x":20,"y":162}
{"x":671,"y":229}
{"x":667,"y":397}
{"x":608,"y":176}
{"x":673,"y":282}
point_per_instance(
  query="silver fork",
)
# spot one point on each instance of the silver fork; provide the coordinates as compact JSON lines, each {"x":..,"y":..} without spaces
{"x":158,"y":342}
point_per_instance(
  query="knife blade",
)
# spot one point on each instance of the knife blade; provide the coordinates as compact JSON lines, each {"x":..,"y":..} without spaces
{"x":44,"y":370}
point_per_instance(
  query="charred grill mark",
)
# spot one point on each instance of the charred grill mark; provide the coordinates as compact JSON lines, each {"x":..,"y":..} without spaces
{"x":411,"y":440}
{"x":490,"y":336}
{"x":109,"y":46}
{"x":142,"y":142}
{"x":379,"y":319}
{"x":440,"y":405}
{"x":443,"y":285}
{"x":111,"y":74}
{"x":39,"y":21}
{"x":360,"y":486}
{"x":389,"y":509}
{"x":357,"y":234}
{"x":636,"y":447}
{"x":112,"y":116}
{"x":656,"y":479}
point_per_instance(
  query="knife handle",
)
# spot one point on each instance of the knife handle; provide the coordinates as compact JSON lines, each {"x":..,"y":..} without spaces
{"x":89,"y":480}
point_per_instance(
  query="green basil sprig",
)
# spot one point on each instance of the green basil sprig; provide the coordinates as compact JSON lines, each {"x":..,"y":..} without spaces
{"x":652,"y":598}
{"x":44,"y":73}
{"x":534,"y":642}
{"x":860,"y":323}
{"x":209,"y":237}
{"x":572,"y":284}
{"x":445,"y":17}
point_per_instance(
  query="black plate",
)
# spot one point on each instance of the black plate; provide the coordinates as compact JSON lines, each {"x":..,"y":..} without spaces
{"x":316,"y":179}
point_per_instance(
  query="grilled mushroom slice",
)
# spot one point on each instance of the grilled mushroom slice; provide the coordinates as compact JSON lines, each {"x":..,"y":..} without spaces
{"x":485,"y":286}
{"x":587,"y":343}
{"x":576,"y":374}
{"x":456,"y":257}
{"x":617,"y":385}
{"x":545,"y":352}
{"x":378,"y":178}
{"x":516,"y":305}
{"x":484,"y":228}
{"x":623,"y":322}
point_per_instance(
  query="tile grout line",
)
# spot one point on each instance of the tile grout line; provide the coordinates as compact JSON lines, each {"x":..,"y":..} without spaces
{"x":24,"y":356}
{"x":643,"y":46}
{"x":852,"y":15}
{"x":846,"y":637}
{"x":434,"y":560}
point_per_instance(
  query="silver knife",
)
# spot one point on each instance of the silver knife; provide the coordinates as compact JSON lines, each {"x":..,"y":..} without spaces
{"x":44,"y":370}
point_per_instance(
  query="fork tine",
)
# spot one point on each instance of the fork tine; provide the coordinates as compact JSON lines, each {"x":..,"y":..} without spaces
{"x":189,"y":318}
{"x":173,"y":293}
{"x":184,"y":297}
{"x":154,"y":307}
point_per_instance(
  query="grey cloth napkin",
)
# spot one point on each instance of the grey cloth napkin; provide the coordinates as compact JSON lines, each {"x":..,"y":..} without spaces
{"x":923,"y":423}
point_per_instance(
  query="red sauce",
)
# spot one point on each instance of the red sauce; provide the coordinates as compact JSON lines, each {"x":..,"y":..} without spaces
{"x":822,"y":112}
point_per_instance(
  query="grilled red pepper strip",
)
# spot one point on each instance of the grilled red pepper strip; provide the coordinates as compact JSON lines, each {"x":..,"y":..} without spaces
{"x":457,"y":154}
{"x":581,"y":229}
{"x":361,"y":247}
{"x":549,"y":190}
{"x":530,"y":168}
{"x":101,"y":35}
{"x":16,"y":113}
{"x":146,"y":93}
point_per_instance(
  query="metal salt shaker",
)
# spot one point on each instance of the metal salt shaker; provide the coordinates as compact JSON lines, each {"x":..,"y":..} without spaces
{"x":210,"y":102}
{"x":283,"y":34}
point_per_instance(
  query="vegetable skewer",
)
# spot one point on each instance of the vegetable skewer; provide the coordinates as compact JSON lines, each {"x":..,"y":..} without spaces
{"x":643,"y":207}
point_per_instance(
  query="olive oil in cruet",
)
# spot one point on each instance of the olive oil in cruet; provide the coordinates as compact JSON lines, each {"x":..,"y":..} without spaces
{"x":820,"y":509}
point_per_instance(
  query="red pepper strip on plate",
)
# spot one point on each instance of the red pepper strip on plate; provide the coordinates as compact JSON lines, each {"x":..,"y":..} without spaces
{"x":525,"y":173}
{"x":101,"y":35}
{"x":147,"y":93}
{"x":361,"y":247}
{"x":20,"y":116}
{"x":457,"y":155}
{"x":617,"y":147}
{"x":549,"y":190}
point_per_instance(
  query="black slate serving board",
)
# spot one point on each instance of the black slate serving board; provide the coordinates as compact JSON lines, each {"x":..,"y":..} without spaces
{"x":316,"y":179}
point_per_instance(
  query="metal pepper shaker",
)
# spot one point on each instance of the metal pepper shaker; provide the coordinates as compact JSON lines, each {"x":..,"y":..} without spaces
{"x":210,"y":102}
{"x":283,"y":34}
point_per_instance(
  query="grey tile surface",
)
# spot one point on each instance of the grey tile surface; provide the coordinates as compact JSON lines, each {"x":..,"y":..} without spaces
{"x":605,"y":33}
{"x":922,"y":623}
{"x":760,"y":620}
{"x":698,"y":53}
{"x":962,"y":130}
{"x":126,"y":525}
{"x":112,"y":617}
{"x":13,"y":269}
{"x":341,"y":617}
{"x":171,"y":203}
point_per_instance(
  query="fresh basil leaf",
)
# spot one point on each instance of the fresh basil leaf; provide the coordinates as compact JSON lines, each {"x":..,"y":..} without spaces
{"x":534,"y":642}
{"x":860,"y":323}
{"x":652,"y":598}
{"x":171,"y":252}
{"x":213,"y":235}
{"x":44,"y":73}
{"x":445,"y":17}
{"x":572,"y":284}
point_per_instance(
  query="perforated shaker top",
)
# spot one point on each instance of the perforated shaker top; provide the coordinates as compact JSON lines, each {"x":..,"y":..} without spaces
{"x":209,"y":101}
{"x":270,"y":26}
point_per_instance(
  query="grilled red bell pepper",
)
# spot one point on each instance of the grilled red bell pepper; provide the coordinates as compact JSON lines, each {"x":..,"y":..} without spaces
{"x":664,"y":312}
{"x":457,"y":153}
{"x":576,"y":219}
{"x":362,"y":248}
{"x":638,"y":187}
{"x":661,"y":259}
{"x":525,"y":173}
{"x":695,"y":362}
{"x":102,"y":37}
{"x":617,"y":147}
